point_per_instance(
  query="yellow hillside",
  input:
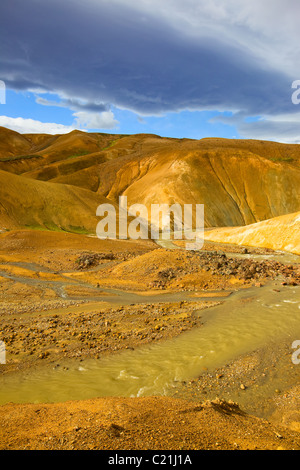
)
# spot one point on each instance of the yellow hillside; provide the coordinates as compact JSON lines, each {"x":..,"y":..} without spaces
{"x":240,"y":182}
{"x":279,"y":233}
{"x":37,"y":204}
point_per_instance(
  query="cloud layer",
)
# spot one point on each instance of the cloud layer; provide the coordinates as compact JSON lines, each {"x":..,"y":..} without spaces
{"x":31,"y":126}
{"x":154,"y":57}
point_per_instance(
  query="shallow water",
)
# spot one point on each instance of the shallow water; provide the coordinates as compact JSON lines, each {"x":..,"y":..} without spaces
{"x":246,"y":321}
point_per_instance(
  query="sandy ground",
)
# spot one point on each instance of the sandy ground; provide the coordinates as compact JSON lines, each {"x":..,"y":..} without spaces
{"x":264,"y":383}
{"x":57,"y":303}
{"x":140,"y":423}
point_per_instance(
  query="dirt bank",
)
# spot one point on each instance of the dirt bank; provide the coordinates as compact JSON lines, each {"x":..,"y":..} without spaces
{"x":139,"y":423}
{"x":264,"y":382}
{"x":36,"y":340}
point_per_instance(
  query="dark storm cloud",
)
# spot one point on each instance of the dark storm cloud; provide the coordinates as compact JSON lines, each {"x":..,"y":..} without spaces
{"x":74,"y":104}
{"x":106,"y":53}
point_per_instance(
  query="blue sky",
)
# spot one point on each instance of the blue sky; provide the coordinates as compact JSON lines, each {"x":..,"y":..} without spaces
{"x":178,"y":68}
{"x":194,"y":125}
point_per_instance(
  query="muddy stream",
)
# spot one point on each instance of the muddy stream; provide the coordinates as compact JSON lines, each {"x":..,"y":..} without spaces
{"x":247,"y":320}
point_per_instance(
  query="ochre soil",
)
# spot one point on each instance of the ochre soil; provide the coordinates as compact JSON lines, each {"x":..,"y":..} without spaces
{"x":264,"y":382}
{"x":140,"y":423}
{"x":41,"y":327}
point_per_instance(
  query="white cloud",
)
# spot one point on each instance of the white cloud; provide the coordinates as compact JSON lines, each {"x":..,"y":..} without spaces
{"x":30,"y":126}
{"x":282,"y":128}
{"x":88,"y":120}
{"x":84,"y":121}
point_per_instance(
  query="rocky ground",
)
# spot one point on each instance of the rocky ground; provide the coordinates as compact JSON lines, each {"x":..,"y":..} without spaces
{"x":37,"y":340}
{"x":264,"y":383}
{"x":174,"y":270}
{"x":160,"y":423}
{"x":57,"y":305}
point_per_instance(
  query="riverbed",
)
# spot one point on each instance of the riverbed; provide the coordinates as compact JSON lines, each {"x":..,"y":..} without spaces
{"x":247,"y":320}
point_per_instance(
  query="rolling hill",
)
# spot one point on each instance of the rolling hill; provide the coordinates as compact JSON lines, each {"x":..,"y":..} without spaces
{"x":279,"y":233}
{"x":28,"y":203}
{"x":58,"y":181}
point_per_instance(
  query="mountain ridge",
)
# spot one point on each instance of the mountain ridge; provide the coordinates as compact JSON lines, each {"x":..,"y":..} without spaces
{"x":240,"y":182}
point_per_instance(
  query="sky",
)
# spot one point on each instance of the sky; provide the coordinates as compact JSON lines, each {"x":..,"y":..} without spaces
{"x":176,"y":68}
